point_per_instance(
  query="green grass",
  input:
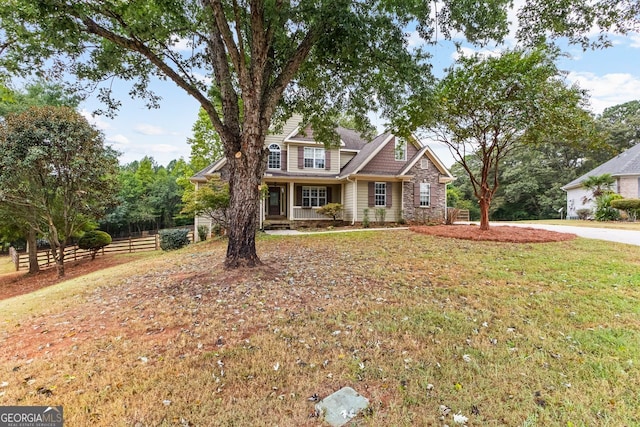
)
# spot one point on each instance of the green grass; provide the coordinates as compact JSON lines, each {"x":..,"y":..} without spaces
{"x":506,"y":334}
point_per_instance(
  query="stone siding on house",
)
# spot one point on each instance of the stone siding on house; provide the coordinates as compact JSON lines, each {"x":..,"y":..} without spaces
{"x":435,"y":212}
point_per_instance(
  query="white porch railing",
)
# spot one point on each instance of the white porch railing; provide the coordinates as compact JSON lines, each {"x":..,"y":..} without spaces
{"x":308,"y":213}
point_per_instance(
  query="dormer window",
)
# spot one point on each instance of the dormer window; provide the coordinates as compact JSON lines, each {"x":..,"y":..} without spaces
{"x":400,"y":149}
{"x":274,"y":157}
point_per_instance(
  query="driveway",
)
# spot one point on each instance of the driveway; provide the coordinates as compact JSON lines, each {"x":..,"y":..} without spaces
{"x":630,"y":237}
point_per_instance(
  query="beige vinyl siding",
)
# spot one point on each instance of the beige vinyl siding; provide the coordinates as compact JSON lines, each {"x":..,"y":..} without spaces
{"x":345,"y":156}
{"x":348,"y":201}
{"x":292,"y":160}
{"x":287,"y":129}
{"x":392,"y":213}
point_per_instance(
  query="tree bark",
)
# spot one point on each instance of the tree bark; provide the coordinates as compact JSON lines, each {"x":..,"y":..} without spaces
{"x":484,"y":212}
{"x":60,"y":264}
{"x":246,"y":169}
{"x":32,"y":248}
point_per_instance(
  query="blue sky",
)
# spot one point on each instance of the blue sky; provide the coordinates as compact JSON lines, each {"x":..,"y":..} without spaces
{"x":612,"y":77}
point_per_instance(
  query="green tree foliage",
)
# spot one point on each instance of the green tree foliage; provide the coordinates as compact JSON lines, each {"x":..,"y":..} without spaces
{"x":150,"y":197}
{"x":174,"y":239}
{"x":599,"y":185}
{"x":487,"y":108}
{"x":620,"y":127}
{"x":630,"y":206}
{"x":601,"y":189}
{"x":212,"y":201}
{"x":55,"y":165}
{"x":333,"y":210}
{"x":93,"y":241}
{"x":267,"y":58}
{"x":37,"y":93}
{"x":531,"y":180}
{"x":532,"y":177}
{"x":206,"y":146}
{"x":604,"y":210}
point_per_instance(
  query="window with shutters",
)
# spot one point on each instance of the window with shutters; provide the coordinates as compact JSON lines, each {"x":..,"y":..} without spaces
{"x":380,"y":194}
{"x":425,"y":194}
{"x":274,"y":156}
{"x":314,"y":196}
{"x":314,"y":158}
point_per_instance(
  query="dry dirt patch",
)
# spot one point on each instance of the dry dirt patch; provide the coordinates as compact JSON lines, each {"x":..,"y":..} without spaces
{"x":21,"y":282}
{"x":501,"y":233}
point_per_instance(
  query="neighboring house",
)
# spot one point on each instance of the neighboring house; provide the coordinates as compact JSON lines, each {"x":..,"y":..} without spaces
{"x":625,"y":168}
{"x":401,"y":177}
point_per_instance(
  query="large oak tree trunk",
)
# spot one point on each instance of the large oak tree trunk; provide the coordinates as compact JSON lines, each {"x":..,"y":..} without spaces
{"x":246,"y":168}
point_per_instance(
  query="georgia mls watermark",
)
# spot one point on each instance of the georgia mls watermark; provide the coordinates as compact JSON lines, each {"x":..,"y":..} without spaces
{"x":31,"y":416}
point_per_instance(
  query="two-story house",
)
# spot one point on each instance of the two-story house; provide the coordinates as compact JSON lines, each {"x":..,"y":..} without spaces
{"x":389,"y":176}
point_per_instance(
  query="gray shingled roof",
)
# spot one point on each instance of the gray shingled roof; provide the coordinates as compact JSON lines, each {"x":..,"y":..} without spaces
{"x":625,"y":163}
{"x":351,"y":138}
{"x":204,"y":172}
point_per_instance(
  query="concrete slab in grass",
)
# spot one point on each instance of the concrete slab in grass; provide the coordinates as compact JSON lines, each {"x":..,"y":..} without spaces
{"x":340,"y":407}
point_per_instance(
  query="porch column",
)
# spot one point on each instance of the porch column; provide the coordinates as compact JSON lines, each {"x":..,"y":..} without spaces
{"x":355,"y":201}
{"x":291,"y":199}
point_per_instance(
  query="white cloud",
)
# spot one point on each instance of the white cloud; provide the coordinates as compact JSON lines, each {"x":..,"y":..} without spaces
{"x":207,"y":80}
{"x":94,"y":120}
{"x":467,"y":51}
{"x":414,"y":39}
{"x":634,"y":39}
{"x":182,"y":44}
{"x":147,"y":129}
{"x":118,"y":139}
{"x":607,"y":90}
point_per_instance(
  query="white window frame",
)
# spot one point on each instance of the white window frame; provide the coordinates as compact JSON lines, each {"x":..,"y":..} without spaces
{"x":400,"y":150}
{"x":275,"y":157}
{"x":313,"y":197}
{"x":425,"y":195}
{"x":380,"y":194}
{"x":314,"y":158}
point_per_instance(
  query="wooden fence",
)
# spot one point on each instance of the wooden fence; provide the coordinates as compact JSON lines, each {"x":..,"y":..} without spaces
{"x":463,"y":215}
{"x":73,"y":253}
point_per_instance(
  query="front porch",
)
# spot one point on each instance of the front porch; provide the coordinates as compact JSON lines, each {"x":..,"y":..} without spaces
{"x":287,"y":202}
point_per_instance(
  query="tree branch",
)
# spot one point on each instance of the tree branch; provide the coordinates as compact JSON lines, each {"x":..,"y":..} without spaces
{"x":138,"y":46}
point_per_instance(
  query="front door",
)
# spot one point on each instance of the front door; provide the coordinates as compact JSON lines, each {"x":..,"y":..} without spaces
{"x":274,"y":201}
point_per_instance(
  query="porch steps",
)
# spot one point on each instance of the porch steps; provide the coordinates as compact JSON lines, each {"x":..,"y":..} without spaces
{"x":277,"y":224}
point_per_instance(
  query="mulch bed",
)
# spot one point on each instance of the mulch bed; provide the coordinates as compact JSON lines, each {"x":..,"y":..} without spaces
{"x":501,"y":233}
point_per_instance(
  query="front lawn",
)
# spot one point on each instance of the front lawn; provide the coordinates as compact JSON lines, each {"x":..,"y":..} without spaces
{"x":504,"y":334}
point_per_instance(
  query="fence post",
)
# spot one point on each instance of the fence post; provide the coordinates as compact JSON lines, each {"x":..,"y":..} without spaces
{"x":130,"y":244}
{"x":157,"y":241}
{"x":15,"y":257}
